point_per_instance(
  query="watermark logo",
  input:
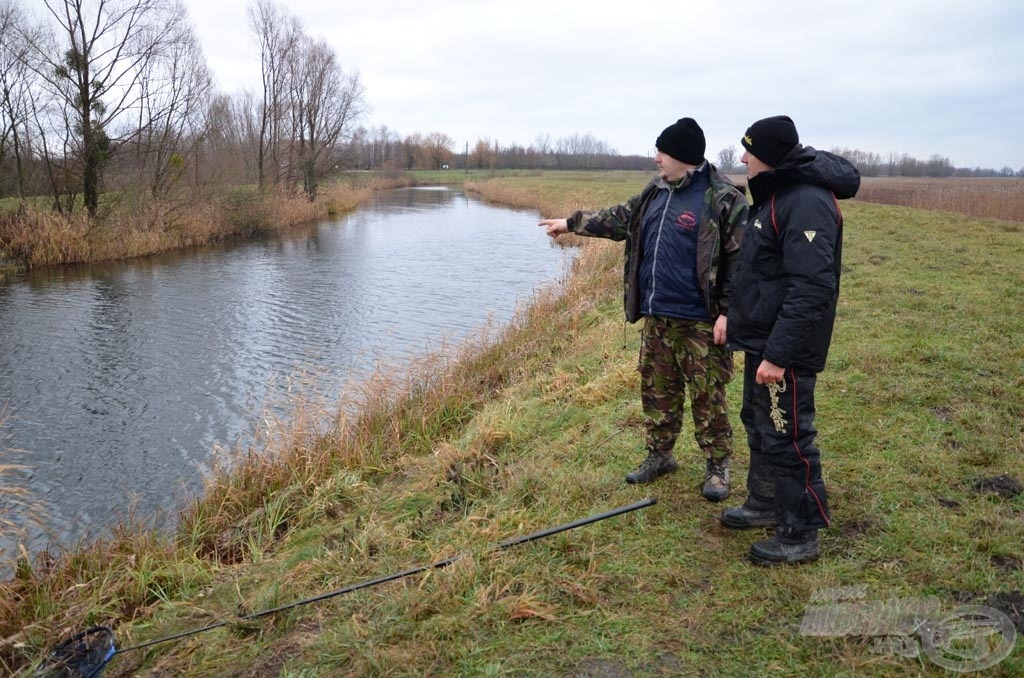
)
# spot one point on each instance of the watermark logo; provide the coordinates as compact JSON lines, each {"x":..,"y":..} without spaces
{"x":966,"y":638}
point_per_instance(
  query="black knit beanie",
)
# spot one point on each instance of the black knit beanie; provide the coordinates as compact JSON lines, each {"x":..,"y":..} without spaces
{"x":771,"y":139}
{"x":684,"y":141}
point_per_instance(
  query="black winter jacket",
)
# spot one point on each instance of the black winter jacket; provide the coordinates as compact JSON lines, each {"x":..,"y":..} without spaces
{"x":785,"y":292}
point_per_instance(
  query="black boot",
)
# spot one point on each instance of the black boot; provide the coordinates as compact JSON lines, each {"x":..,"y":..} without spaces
{"x":786,"y":548}
{"x":753,"y":513}
{"x":656,"y":464}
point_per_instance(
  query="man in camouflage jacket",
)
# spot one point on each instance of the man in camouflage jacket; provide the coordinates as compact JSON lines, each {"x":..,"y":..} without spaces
{"x":682,"y":236}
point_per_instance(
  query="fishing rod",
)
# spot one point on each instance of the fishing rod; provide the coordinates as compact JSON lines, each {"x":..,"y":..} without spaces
{"x":86,"y":654}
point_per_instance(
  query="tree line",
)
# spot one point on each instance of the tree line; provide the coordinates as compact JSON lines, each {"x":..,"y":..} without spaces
{"x":116,"y":96}
{"x":379,"y":148}
{"x":893,"y":165}
{"x":903,"y":165}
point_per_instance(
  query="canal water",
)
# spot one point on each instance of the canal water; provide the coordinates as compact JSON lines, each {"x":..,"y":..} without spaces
{"x":120,"y":383}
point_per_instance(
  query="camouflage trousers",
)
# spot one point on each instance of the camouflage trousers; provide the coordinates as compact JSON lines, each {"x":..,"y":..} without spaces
{"x":677,"y":356}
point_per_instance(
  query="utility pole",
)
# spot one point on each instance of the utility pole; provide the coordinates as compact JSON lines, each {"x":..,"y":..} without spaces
{"x":467,"y":156}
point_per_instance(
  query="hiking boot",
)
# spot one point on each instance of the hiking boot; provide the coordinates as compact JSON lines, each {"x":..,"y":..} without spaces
{"x":656,"y":464}
{"x":790,"y":549}
{"x":716,"y":480}
{"x":753,"y":513}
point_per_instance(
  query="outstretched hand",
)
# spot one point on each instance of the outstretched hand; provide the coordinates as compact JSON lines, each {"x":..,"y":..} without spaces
{"x":554,"y":227}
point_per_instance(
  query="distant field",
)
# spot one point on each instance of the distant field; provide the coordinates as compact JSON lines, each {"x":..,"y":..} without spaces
{"x":988,"y":198}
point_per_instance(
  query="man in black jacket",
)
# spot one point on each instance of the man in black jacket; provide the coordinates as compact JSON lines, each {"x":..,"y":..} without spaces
{"x":781,"y":317}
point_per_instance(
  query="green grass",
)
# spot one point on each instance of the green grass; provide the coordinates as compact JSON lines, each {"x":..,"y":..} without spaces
{"x":922,"y":399}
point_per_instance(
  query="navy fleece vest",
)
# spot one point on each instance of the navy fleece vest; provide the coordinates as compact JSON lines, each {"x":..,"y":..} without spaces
{"x":668,"y":267}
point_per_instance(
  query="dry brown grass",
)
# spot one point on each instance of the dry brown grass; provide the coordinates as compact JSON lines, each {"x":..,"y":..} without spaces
{"x":559,"y":194}
{"x":340,"y":198}
{"x":39,"y":237}
{"x":16,"y":500}
{"x":988,"y":198}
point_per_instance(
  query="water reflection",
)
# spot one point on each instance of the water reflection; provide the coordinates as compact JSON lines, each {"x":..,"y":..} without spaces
{"x":119,"y":379}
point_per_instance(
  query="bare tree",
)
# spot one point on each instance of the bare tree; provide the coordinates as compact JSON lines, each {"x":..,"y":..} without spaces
{"x":580,"y":151}
{"x":413,"y":149}
{"x":483,"y":155}
{"x":175,"y":88}
{"x":727,"y":159}
{"x":15,"y":106}
{"x":92,"y":67}
{"x":868,"y":164}
{"x":376,"y":147}
{"x":542,"y":144}
{"x":388,"y":144}
{"x":246,"y":121}
{"x":540,"y":151}
{"x":229,"y":143}
{"x":326,"y":103}
{"x":277,"y":34}
{"x":439,"y":149}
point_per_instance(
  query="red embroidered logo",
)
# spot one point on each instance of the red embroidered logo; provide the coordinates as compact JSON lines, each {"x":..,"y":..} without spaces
{"x":687,"y":221}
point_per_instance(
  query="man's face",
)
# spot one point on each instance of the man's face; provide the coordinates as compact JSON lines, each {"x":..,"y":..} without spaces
{"x":754,"y":166}
{"x":669,"y":168}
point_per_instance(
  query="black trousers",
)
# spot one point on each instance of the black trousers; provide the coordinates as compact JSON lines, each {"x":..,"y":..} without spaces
{"x":785,"y":464}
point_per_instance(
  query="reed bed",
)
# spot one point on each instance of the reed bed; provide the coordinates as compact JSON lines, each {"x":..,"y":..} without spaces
{"x":559,"y":194}
{"x":124,"y":229}
{"x":984,"y":198}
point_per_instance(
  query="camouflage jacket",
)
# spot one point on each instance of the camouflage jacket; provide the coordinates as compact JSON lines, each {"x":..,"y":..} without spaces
{"x":718,"y":242}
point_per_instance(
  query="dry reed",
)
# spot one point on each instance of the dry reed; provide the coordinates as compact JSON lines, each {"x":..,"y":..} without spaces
{"x":16,"y":500}
{"x":19,"y":508}
{"x":988,"y":198}
{"x":559,"y":194}
{"x":38,"y":237}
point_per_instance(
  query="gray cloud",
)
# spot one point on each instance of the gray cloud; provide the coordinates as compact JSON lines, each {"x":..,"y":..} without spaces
{"x":880,"y":75}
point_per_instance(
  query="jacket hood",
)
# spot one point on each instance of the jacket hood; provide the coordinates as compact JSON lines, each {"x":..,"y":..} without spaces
{"x":807,"y":165}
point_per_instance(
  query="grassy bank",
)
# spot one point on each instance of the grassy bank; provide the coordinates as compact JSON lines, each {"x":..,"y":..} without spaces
{"x":920,"y":416}
{"x":127,"y":226}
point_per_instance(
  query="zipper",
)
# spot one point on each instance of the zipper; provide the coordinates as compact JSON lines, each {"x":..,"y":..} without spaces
{"x":657,"y":246}
{"x":713,"y":268}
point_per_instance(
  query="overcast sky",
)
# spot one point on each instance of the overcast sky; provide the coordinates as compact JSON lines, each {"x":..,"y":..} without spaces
{"x":921,"y":77}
